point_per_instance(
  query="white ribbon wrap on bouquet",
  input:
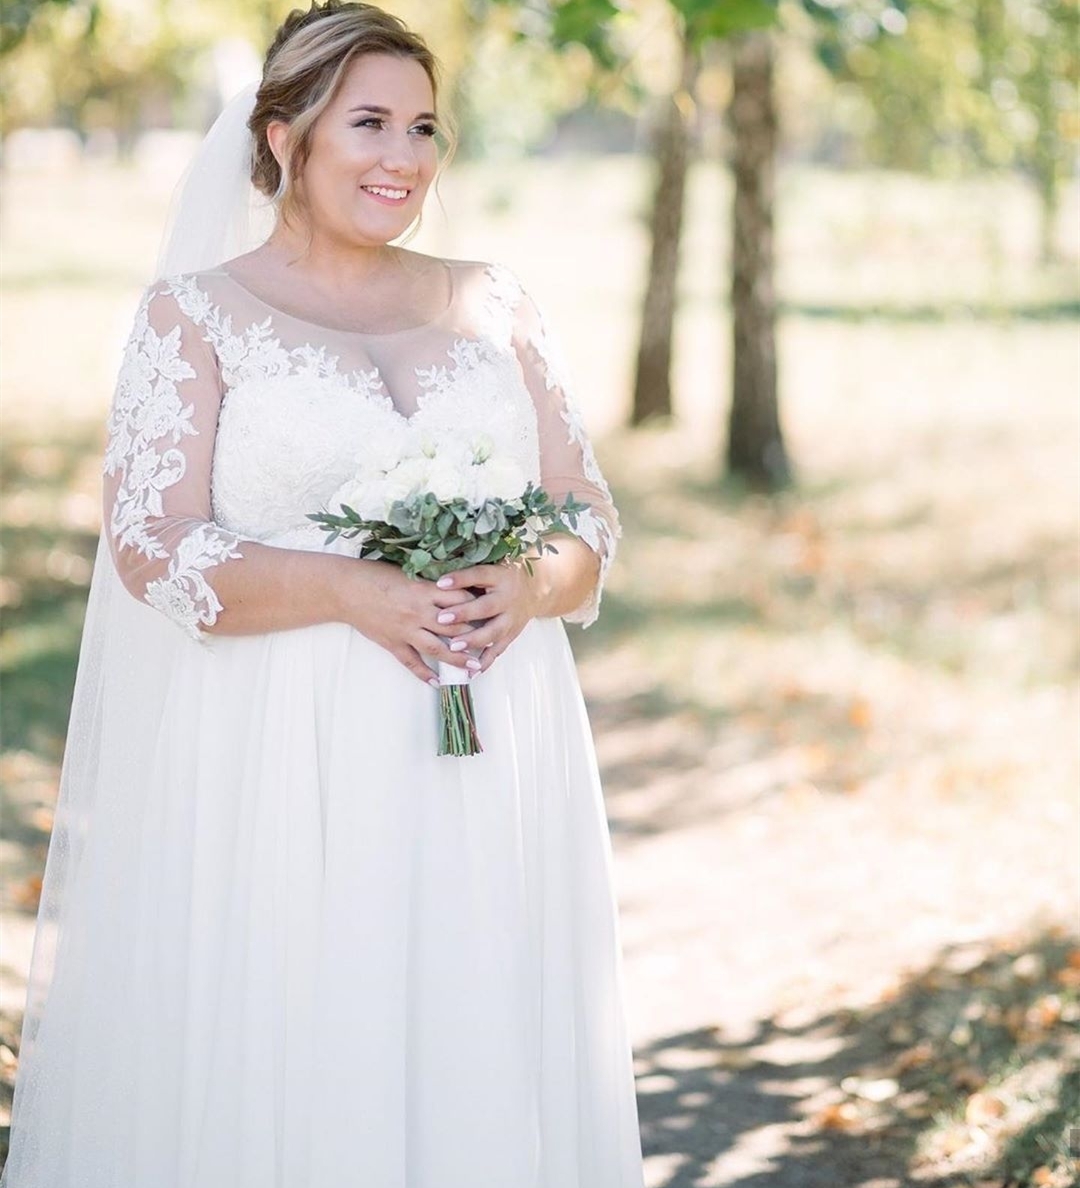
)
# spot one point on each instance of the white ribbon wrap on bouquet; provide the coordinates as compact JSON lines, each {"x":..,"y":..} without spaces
{"x":451,"y":674}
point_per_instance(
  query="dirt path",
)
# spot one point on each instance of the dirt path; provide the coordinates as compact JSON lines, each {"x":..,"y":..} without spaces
{"x":781,"y":936}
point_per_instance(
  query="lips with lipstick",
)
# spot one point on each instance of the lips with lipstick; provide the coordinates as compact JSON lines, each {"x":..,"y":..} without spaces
{"x":390,"y":195}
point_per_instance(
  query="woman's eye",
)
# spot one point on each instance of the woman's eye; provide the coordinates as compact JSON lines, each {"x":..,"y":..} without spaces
{"x":376,"y":121}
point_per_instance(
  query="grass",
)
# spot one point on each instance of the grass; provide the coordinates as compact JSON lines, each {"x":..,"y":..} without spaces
{"x":875,"y":671}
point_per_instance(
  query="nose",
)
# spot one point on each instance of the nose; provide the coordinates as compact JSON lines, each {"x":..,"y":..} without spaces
{"x":399,"y":156}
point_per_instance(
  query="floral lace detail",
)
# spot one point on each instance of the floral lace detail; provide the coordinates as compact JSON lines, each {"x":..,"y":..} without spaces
{"x":466,"y":355}
{"x":592,"y":528}
{"x":184,"y":595}
{"x":505,"y":295}
{"x":256,"y":353}
{"x":146,"y":413}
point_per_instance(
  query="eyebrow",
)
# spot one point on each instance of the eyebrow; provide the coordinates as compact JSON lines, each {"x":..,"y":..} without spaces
{"x":423,"y":115}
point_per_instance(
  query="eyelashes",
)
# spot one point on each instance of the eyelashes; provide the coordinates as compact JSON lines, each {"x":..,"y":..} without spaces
{"x":423,"y":129}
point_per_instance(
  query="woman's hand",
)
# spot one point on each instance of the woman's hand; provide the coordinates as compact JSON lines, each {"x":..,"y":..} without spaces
{"x":510,"y":598}
{"x":401,"y":614}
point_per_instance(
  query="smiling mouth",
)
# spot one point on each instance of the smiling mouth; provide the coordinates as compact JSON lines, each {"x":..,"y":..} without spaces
{"x":390,"y":193}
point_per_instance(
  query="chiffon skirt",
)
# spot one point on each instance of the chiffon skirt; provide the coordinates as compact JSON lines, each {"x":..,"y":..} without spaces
{"x":319,"y":955}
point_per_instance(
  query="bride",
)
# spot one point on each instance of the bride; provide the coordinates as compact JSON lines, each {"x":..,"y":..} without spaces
{"x":281,"y":940}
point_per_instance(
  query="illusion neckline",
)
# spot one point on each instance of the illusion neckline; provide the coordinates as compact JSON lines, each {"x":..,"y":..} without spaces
{"x":281,"y":313}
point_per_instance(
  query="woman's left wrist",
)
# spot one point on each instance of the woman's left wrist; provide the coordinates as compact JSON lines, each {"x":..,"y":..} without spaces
{"x":539,"y":586}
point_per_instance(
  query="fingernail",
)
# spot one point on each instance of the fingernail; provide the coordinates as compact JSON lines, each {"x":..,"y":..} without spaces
{"x":474,"y":664}
{"x":434,"y":682}
{"x":445,"y":582}
{"x":459,"y":645}
{"x":446,"y":616}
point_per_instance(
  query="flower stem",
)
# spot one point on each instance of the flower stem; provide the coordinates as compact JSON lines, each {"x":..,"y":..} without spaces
{"x":457,"y":721}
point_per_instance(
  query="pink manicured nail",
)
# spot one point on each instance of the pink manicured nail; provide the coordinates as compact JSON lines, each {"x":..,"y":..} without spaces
{"x":445,"y":582}
{"x":446,"y":616}
{"x":434,"y":682}
{"x":459,"y":645}
{"x":474,"y":664}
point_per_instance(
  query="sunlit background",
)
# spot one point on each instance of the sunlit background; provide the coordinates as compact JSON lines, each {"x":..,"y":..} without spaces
{"x":834,"y":684}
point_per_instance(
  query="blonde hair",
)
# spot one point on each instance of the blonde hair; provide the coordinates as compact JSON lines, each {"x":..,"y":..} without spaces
{"x":301,"y":74}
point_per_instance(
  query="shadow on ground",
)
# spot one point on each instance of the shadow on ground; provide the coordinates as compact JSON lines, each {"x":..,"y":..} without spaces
{"x":968,"y":1075}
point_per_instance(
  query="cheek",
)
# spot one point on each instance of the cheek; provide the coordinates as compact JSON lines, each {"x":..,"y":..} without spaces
{"x":428,"y":160}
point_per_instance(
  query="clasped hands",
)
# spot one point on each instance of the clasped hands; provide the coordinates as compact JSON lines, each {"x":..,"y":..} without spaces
{"x":467,"y":618}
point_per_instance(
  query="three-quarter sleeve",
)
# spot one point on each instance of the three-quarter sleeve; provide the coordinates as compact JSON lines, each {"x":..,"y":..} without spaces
{"x":156,"y":488}
{"x":567,"y":462}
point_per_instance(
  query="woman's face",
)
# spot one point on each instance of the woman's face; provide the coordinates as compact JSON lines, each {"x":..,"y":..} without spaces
{"x":373,"y":155}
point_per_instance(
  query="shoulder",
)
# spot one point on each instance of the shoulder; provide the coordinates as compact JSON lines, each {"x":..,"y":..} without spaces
{"x":490,"y":272}
{"x":180,"y":297}
{"x":491,"y":285}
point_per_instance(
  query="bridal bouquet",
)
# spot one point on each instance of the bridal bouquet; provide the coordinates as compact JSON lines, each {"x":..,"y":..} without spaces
{"x":432,"y":503}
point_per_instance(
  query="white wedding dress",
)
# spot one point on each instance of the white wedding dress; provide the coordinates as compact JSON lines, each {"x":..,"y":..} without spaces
{"x":284,"y":943}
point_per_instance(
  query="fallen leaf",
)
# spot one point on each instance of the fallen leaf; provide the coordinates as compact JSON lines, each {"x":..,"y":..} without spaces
{"x":860,"y":714}
{"x":1044,"y":1013}
{"x":983,"y":1108}
{"x":955,"y":1141}
{"x":916,"y":1057}
{"x":843,"y":1115}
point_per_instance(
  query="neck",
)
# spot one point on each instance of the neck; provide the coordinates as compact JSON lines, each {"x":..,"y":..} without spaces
{"x":328,"y":262}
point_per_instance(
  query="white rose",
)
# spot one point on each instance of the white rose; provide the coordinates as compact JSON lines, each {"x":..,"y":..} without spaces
{"x":446,"y":480}
{"x":372,"y":503}
{"x":409,"y":476}
{"x":500,"y":478}
{"x":387,"y":441}
{"x":364,"y":496}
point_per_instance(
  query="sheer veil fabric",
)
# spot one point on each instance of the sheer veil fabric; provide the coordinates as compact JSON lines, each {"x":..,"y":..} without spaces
{"x":544,"y":903}
{"x":127,"y":648}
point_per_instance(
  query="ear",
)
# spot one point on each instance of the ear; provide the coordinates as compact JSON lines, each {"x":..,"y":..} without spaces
{"x":276,"y":131}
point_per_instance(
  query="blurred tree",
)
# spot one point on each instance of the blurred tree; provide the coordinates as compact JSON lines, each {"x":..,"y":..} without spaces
{"x":755,"y":445}
{"x":671,"y":150}
{"x":972,"y":84}
{"x":755,"y":441}
{"x":754,"y":401}
{"x":16,"y":17}
{"x":93,"y":63}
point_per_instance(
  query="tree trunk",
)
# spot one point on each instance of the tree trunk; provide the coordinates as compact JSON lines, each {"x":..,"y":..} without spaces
{"x":755,"y":445}
{"x":671,"y":149}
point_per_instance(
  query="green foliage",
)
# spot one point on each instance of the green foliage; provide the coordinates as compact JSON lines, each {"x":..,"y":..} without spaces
{"x":586,"y":23}
{"x":16,"y":17}
{"x":562,"y":23}
{"x":105,"y":63}
{"x":707,"y":19}
{"x":960,"y":85}
{"x":589,"y":22}
{"x":427,"y":537}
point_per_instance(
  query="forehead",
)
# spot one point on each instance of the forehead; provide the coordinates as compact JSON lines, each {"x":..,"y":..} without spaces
{"x":386,"y":80}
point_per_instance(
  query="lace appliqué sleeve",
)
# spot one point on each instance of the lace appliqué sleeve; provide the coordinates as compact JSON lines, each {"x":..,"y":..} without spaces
{"x":596,"y":530}
{"x":162,"y":547}
{"x":568,"y":461}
